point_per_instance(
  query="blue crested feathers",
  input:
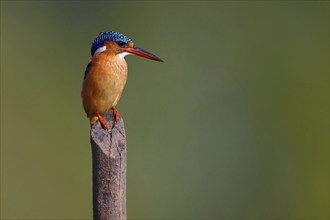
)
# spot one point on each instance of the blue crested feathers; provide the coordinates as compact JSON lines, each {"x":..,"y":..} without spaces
{"x":108,"y":36}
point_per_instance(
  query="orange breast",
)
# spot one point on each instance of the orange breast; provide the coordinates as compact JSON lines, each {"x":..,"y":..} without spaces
{"x":104,"y":83}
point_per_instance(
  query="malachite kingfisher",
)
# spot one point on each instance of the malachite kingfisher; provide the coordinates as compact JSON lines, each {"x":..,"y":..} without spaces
{"x":106,"y":74}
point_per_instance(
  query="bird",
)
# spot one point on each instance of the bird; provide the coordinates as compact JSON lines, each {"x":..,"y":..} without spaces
{"x":106,"y":74}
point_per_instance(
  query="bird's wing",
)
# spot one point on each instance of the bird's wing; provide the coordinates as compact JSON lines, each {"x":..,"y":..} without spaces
{"x":87,"y":69}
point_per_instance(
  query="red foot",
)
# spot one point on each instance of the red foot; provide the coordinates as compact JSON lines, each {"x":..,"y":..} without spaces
{"x":103,"y":123}
{"x":115,"y":114}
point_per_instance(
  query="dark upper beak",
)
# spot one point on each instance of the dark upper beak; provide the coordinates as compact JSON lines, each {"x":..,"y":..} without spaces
{"x":142,"y":53}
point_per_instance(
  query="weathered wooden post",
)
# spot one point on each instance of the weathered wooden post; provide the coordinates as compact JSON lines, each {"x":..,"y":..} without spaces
{"x":109,"y":169}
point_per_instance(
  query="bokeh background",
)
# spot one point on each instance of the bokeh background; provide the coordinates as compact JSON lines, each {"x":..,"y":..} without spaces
{"x":234,"y":124}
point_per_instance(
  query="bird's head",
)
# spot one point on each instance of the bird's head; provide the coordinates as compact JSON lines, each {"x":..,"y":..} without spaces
{"x":122,"y":45}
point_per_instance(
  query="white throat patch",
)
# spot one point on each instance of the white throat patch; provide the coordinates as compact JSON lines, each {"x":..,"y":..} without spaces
{"x":123,"y":54}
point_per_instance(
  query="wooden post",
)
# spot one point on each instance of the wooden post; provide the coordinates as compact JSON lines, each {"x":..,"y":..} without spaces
{"x":109,"y":169}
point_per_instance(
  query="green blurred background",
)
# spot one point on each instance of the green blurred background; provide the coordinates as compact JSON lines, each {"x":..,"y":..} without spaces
{"x":234,"y":124}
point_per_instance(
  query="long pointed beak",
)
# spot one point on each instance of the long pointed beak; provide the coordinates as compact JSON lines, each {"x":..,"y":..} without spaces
{"x":142,"y":53}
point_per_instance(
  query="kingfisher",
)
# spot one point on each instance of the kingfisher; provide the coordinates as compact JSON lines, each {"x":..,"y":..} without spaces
{"x":106,"y":74}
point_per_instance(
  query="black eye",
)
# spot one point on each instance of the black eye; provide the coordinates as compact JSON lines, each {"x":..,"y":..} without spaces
{"x":121,"y":44}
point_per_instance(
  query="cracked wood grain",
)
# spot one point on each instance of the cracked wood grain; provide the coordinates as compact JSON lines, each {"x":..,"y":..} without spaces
{"x":109,"y":169}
